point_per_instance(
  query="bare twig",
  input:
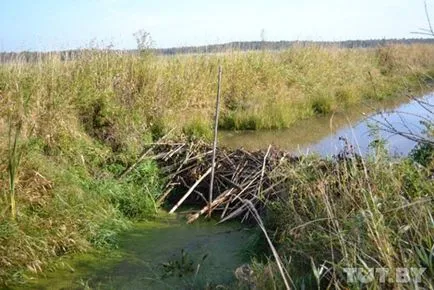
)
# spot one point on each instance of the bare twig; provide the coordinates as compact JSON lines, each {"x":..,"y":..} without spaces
{"x":263,"y":169}
{"x":279,"y":262}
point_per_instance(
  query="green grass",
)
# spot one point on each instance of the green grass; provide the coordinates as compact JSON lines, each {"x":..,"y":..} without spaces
{"x":67,"y":205}
{"x":68,"y":200}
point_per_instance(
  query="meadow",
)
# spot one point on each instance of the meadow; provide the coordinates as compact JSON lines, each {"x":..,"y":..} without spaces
{"x":70,"y":127}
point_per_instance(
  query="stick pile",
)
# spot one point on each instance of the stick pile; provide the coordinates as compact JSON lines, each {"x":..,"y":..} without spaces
{"x":240,"y":176}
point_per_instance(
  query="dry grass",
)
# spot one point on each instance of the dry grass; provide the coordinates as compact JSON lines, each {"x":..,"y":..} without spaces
{"x":260,"y":89}
{"x":373,"y":213}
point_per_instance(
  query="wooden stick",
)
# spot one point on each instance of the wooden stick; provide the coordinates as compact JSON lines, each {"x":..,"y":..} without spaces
{"x":216,"y":120}
{"x":263,"y":170}
{"x":233,"y":214}
{"x":208,"y":208}
{"x":190,"y":190}
{"x":226,"y":208}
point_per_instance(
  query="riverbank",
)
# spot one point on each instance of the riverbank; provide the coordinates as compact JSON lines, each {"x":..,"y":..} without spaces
{"x":123,"y":96}
{"x":70,"y":128}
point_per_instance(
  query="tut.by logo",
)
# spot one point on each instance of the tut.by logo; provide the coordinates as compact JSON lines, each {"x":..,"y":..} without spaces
{"x":384,"y":275}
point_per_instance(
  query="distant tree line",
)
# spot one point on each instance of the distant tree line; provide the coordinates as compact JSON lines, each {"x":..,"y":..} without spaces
{"x":281,"y":45}
{"x":33,"y":56}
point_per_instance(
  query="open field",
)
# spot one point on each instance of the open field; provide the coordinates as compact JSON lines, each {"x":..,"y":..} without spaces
{"x":69,"y":128}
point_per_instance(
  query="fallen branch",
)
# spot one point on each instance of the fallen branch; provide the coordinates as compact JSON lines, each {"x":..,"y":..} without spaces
{"x":238,"y":175}
{"x":190,"y":190}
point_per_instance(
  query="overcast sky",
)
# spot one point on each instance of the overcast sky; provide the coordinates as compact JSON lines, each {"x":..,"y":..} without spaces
{"x":62,"y":24}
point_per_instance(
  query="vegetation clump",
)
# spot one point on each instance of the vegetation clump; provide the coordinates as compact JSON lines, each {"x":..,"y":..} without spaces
{"x":352,"y":213}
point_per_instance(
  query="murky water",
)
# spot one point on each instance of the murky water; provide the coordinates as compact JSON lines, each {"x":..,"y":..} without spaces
{"x":321,"y":135}
{"x":163,"y":254}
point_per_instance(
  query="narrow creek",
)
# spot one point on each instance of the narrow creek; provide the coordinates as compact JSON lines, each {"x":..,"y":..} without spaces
{"x":169,"y":254}
{"x":165,"y":253}
{"x":321,"y":135}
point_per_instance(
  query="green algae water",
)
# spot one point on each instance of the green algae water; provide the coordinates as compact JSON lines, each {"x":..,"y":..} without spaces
{"x":163,"y":254}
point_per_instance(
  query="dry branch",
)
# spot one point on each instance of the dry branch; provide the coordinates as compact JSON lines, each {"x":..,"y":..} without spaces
{"x":239,"y":175}
{"x":190,"y":191}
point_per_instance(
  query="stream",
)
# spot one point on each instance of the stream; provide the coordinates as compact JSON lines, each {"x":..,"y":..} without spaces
{"x":321,"y":135}
{"x":165,"y":253}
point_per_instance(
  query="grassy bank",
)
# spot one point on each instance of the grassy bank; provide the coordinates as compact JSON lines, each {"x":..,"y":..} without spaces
{"x":65,"y":197}
{"x":261,"y":90}
{"x":353,"y":213}
{"x":65,"y":204}
{"x":69,"y":128}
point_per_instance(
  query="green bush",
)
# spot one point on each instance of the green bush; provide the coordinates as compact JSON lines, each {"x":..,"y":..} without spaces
{"x":423,"y":153}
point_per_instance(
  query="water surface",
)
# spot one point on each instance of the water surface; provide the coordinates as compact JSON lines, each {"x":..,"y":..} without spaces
{"x":196,"y":256}
{"x":322,"y":134}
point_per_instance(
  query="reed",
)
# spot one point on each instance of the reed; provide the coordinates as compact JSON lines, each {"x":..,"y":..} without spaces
{"x":116,"y":95}
{"x":354,"y":213}
{"x":14,"y":157}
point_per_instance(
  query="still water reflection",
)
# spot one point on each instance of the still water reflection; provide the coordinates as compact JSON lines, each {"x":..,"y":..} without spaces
{"x":321,"y":135}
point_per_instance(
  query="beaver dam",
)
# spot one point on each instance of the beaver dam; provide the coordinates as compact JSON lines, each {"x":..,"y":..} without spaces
{"x":249,"y":178}
{"x":242,"y":178}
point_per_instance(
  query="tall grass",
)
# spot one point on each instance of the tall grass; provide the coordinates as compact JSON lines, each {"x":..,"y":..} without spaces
{"x":376,"y":213}
{"x":14,"y":156}
{"x":123,"y":96}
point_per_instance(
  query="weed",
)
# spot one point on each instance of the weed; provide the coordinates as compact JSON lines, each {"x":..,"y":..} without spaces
{"x":197,"y":128}
{"x":339,"y":214}
{"x":185,"y":265}
{"x":14,"y":161}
